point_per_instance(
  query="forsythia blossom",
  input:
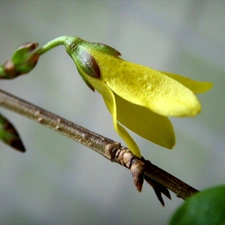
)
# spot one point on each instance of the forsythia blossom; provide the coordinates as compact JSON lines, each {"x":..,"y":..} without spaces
{"x":138,"y":97}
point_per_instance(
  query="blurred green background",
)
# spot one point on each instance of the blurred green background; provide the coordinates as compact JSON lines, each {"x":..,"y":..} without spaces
{"x":58,"y":181}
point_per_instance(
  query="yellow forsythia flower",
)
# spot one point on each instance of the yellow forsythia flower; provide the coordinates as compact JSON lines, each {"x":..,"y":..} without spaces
{"x":138,"y":97}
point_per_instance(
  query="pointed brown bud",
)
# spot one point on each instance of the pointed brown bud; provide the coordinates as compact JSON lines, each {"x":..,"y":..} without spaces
{"x":9,"y":135}
{"x":9,"y":68}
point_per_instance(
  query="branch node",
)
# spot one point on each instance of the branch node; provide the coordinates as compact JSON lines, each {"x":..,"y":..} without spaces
{"x":111,"y":149}
{"x":126,"y":158}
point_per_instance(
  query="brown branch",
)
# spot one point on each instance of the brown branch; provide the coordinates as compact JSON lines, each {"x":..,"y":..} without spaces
{"x":141,"y":169}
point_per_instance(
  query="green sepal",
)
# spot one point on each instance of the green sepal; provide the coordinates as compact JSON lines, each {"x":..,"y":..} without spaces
{"x":84,"y":79}
{"x":101,"y":48}
{"x":9,"y":135}
{"x":29,"y":64}
{"x":72,"y":44}
{"x":80,"y":51}
{"x":22,"y":53}
{"x":81,"y":57}
{"x":24,"y":59}
{"x":86,"y":62}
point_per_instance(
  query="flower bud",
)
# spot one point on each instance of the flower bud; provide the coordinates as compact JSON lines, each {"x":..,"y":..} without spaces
{"x":22,"y":62}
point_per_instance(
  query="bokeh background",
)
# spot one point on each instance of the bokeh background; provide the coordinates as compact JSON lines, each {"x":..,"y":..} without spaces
{"x":58,"y":181}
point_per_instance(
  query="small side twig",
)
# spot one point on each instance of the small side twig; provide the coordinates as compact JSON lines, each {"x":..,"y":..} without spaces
{"x":141,"y":169}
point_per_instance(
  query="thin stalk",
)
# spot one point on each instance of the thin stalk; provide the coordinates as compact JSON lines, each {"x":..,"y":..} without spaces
{"x":52,"y":44}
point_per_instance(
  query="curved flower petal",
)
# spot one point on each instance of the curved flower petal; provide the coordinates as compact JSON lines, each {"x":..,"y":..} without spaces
{"x":109,"y":99}
{"x":147,"y":124}
{"x":147,"y":87}
{"x":121,"y":130}
{"x":196,"y":86}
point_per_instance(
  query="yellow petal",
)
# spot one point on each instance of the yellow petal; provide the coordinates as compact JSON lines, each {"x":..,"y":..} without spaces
{"x":109,"y":99}
{"x":155,"y":128}
{"x":196,"y":86}
{"x":147,"y":87}
{"x":122,"y":131}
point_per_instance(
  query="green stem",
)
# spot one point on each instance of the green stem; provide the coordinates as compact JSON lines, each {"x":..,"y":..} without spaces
{"x":52,"y":44}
